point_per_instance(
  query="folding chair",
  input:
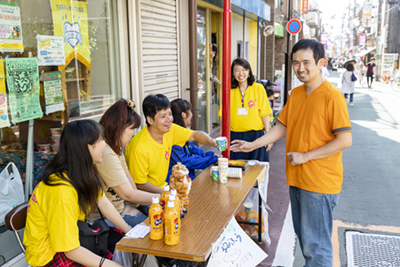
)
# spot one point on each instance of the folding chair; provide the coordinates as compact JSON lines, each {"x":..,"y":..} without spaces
{"x":16,"y":219}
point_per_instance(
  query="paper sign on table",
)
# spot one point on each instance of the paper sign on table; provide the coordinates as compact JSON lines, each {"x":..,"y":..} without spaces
{"x":139,"y":231}
{"x":234,"y":248}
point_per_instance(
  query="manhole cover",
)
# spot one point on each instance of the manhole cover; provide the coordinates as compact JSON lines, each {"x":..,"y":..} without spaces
{"x":370,"y":250}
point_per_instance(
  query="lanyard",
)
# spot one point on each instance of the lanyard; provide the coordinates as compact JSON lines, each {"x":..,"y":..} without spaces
{"x":242,"y":95}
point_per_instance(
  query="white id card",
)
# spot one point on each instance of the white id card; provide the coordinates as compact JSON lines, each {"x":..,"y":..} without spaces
{"x":242,"y":111}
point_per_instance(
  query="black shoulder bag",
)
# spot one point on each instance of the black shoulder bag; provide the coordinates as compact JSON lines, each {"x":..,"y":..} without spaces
{"x":94,"y":237}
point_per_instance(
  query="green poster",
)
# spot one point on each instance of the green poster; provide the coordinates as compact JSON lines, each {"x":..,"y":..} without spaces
{"x":23,"y":87}
{"x":53,"y":91}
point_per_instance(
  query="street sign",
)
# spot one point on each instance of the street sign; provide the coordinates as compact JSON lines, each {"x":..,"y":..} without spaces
{"x":293,"y":26}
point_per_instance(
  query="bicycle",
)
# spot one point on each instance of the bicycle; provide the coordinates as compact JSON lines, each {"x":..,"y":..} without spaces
{"x":395,"y":84}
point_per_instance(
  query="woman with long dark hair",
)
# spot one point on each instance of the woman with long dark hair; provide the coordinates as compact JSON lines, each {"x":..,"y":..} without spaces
{"x":120,"y":122}
{"x":70,"y":185}
{"x":249,"y":110}
{"x":189,"y":155}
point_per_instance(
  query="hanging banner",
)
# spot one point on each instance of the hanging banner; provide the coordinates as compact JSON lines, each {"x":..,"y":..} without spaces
{"x":304,"y":6}
{"x":23,"y":87}
{"x":53,"y":94}
{"x":50,"y":50}
{"x":70,"y":20}
{"x":4,"y":120}
{"x":10,"y":28}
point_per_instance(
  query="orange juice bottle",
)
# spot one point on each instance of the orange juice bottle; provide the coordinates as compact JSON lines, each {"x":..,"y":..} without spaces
{"x":172,"y":224}
{"x":177,"y":204}
{"x":177,"y":200}
{"x":165,"y":196}
{"x":156,"y":220}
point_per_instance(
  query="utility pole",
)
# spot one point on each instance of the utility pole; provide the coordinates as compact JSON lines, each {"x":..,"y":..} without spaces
{"x":379,"y":40}
{"x":349,"y":20}
{"x":354,"y":30}
{"x":341,"y":37}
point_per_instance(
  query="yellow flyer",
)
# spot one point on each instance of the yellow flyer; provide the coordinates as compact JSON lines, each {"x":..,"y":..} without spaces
{"x":4,"y":120}
{"x":70,"y":21}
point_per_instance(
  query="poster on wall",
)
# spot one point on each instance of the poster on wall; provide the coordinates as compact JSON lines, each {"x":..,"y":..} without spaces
{"x":10,"y":28}
{"x":70,"y":20}
{"x":23,"y":87}
{"x":4,"y":120}
{"x":53,"y":94}
{"x":50,"y":50}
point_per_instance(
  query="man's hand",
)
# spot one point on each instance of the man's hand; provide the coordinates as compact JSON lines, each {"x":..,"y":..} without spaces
{"x":269,"y":147}
{"x":241,"y":146}
{"x":297,"y":158}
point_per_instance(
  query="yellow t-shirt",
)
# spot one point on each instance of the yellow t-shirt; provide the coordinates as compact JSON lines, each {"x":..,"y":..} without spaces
{"x":112,"y":170}
{"x":256,"y":103}
{"x":312,"y":121}
{"x":148,"y":160}
{"x":51,"y":224}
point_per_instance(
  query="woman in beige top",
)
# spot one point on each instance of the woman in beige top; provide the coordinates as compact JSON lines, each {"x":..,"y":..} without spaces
{"x":120,"y":122}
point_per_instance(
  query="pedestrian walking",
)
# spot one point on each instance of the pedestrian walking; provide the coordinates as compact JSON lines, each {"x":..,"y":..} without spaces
{"x":348,"y":86}
{"x":316,"y":123}
{"x":361,"y":69}
{"x":249,"y":109}
{"x":370,"y":72}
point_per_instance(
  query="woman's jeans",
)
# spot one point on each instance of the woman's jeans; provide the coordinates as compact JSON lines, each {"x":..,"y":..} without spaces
{"x":351,"y":97}
{"x":312,"y":221}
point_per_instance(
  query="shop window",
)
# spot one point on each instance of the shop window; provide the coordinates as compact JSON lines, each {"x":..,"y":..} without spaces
{"x":85,"y":85}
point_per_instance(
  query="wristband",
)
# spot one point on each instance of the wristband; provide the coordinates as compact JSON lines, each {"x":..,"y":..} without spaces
{"x":102,"y":261}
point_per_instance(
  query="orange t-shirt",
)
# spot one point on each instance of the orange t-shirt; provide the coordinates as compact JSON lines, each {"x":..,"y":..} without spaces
{"x":312,"y":121}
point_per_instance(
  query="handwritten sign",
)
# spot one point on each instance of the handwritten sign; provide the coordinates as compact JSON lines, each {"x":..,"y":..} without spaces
{"x":234,"y":248}
{"x":50,"y":50}
{"x":53,"y":91}
{"x":23,"y":86}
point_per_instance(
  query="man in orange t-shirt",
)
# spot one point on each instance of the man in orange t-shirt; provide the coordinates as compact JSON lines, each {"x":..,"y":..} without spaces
{"x":317,"y":127}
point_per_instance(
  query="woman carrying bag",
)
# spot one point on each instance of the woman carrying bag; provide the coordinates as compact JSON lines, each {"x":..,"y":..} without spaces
{"x":70,"y":186}
{"x":348,"y":83}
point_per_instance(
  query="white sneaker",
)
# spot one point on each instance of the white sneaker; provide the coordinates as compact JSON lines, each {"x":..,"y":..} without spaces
{"x":351,"y":104}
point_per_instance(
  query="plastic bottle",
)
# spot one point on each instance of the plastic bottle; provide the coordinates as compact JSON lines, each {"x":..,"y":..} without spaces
{"x":172,"y":224}
{"x":156,"y":220}
{"x":165,"y":196}
{"x":177,"y":203}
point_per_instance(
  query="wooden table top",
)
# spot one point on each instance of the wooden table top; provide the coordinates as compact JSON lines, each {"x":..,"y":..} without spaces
{"x":211,"y":206}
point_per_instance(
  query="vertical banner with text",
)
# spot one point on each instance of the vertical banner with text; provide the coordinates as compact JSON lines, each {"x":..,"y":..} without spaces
{"x":71,"y":21}
{"x":23,"y":87}
{"x":304,"y":6}
{"x":4,"y":119}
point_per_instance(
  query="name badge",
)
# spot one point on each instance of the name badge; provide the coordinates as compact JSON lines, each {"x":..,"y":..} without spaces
{"x":242,"y":111}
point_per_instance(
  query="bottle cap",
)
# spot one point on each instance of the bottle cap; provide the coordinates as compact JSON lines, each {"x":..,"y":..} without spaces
{"x":155,"y":200}
{"x":172,"y":197}
{"x":166,"y":187}
{"x":170,"y":204}
{"x":173,"y":191}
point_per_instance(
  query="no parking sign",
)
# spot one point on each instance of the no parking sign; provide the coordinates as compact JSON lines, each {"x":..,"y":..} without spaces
{"x":293,"y":26}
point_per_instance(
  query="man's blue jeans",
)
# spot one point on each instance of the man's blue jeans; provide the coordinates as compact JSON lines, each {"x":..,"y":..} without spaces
{"x":312,"y":221}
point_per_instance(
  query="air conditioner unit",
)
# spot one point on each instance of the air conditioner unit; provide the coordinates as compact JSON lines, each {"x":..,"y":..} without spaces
{"x":312,"y":19}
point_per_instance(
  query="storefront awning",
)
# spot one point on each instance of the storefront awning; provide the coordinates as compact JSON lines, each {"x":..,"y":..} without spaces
{"x":364,"y":52}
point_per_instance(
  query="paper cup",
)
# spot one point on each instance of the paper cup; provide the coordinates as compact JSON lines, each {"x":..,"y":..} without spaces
{"x":248,"y":206}
{"x":55,"y":148}
{"x":221,"y":142}
{"x":44,"y":148}
{"x":223,"y":163}
{"x":234,"y":172}
{"x":55,"y":131}
{"x":214,"y":173}
{"x":223,"y":175}
{"x":55,"y":140}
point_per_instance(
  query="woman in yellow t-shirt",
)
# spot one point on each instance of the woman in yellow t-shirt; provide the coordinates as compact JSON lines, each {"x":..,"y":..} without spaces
{"x":70,"y":186}
{"x":250,"y":110}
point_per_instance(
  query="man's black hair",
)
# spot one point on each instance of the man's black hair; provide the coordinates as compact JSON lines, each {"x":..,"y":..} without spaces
{"x":153,"y":104}
{"x":316,"y":47}
{"x":270,"y":92}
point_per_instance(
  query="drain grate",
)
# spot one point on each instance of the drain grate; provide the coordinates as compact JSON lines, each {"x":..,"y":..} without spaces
{"x":370,"y":250}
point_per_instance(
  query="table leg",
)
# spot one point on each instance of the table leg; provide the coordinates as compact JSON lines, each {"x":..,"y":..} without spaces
{"x":259,"y":218}
{"x":139,"y":260}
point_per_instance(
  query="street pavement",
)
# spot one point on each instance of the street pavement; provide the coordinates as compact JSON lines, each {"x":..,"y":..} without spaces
{"x":370,"y":196}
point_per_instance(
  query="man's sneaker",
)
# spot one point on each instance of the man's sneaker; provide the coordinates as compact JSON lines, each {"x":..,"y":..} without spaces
{"x":351,"y":104}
